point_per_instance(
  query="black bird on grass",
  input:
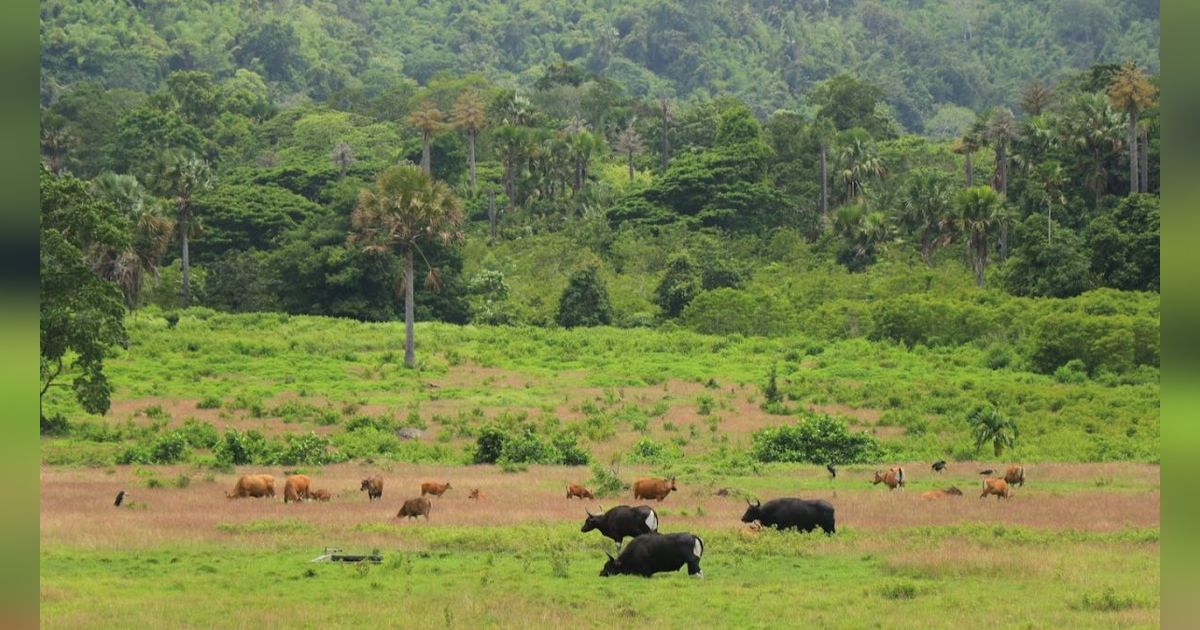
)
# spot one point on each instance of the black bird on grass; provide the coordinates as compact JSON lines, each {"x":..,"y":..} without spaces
{"x":987,"y":472}
{"x":939,"y":465}
{"x":120,"y":499}
{"x":832,"y":470}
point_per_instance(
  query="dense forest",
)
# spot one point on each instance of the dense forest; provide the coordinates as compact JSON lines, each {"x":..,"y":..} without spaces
{"x":917,"y":171}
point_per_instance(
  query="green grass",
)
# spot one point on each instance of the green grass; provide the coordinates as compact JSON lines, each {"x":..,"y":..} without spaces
{"x":330,"y":367}
{"x":513,"y":576}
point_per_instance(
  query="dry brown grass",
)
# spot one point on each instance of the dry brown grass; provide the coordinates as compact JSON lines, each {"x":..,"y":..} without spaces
{"x":76,"y":505}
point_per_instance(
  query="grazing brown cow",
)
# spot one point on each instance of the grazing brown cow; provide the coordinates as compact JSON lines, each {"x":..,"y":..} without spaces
{"x":434,"y":488}
{"x":296,"y":488}
{"x":256,"y":486}
{"x":996,"y":486}
{"x":576,"y":490}
{"x":656,"y":489}
{"x":952,"y":491}
{"x":413,"y":508}
{"x":1015,"y":476}
{"x":374,"y":487}
{"x":893,"y":478}
{"x":476,"y":494}
{"x":320,"y":495}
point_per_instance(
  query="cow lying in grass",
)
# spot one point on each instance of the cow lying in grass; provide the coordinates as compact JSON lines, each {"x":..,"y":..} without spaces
{"x":952,"y":491}
{"x":657,"y":553}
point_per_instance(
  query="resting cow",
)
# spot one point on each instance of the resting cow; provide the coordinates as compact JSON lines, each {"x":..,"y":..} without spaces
{"x":434,"y":488}
{"x":256,"y":486}
{"x":952,"y":491}
{"x":413,"y":508}
{"x":788,"y":513}
{"x":657,"y":553}
{"x":656,"y":489}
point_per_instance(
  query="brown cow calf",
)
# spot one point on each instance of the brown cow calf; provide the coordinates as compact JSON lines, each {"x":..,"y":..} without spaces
{"x":996,"y":486}
{"x":434,"y":488}
{"x":952,"y":491}
{"x":656,"y":489}
{"x":413,"y":508}
{"x":476,"y":494}
{"x":320,"y":495}
{"x":296,"y":488}
{"x":893,"y":478}
{"x":1015,"y":476}
{"x":576,"y":490}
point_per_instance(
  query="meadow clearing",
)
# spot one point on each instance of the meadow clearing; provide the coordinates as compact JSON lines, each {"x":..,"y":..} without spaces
{"x":1076,"y":547}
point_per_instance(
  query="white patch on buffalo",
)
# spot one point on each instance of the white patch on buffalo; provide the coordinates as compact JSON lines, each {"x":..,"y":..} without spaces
{"x":698,"y":548}
{"x":652,"y":521}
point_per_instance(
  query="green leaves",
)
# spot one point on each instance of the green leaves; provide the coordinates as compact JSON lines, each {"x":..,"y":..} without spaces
{"x":816,"y":439}
{"x":988,"y":426}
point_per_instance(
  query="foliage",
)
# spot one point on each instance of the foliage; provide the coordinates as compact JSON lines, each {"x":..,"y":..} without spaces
{"x":816,"y":439}
{"x":584,"y":302}
{"x":988,"y":426}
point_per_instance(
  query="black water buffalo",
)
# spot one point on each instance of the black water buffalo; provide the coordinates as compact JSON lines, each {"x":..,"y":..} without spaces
{"x":623,"y":521}
{"x":788,"y":512}
{"x":655,"y":553}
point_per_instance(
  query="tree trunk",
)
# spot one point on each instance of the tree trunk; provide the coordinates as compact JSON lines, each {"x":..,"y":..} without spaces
{"x":1048,"y":223}
{"x":970,"y":171}
{"x":492,"y":212}
{"x":425,"y":153}
{"x":185,"y":268}
{"x":666,"y":151}
{"x":631,"y":166}
{"x":410,"y":357}
{"x":824,"y":184}
{"x":1132,"y":140}
{"x":1003,"y":241}
{"x":471,"y":157}
{"x":980,"y":263}
{"x":1144,"y":160}
{"x":509,"y":186}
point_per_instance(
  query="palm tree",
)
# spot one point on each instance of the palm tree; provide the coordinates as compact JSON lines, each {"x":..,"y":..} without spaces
{"x":629,"y":143}
{"x":1093,"y":128}
{"x":979,"y":210}
{"x":859,"y":163}
{"x":1050,"y":182}
{"x":1131,"y":92}
{"x":428,"y":118}
{"x":987,"y":425}
{"x":511,"y":143}
{"x":469,"y":115}
{"x":1002,"y":130}
{"x":583,"y":146}
{"x":342,"y":157}
{"x":152,"y":236}
{"x":405,"y":209}
{"x":668,"y":113}
{"x":56,"y":143}
{"x":925,"y":201}
{"x":823,"y":132}
{"x":967,"y":146}
{"x":181,"y":176}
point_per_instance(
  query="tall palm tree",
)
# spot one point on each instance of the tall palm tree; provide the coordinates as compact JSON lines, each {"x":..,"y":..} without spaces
{"x":153,"y":232}
{"x":1002,"y":131}
{"x":987,"y":425}
{"x":823,"y":132}
{"x":979,"y":210}
{"x":181,"y":175}
{"x":583,"y":146}
{"x":926,"y":199}
{"x":967,"y":146}
{"x":629,"y":143}
{"x":859,"y":163}
{"x":1050,"y":182}
{"x":405,"y":209}
{"x":469,"y":115}
{"x":1093,"y":129}
{"x":428,"y":118}
{"x":511,"y":143}
{"x":1131,"y":92}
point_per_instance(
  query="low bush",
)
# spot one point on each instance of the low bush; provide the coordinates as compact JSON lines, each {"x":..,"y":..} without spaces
{"x":816,"y":439}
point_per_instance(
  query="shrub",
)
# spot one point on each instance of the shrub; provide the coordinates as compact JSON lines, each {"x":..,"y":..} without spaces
{"x":56,"y":424}
{"x":605,"y":483}
{"x":239,"y":448}
{"x":200,"y":434}
{"x":679,"y":285}
{"x":771,"y":390}
{"x":585,"y":301}
{"x":170,"y":448}
{"x":646,"y":450}
{"x":816,"y":439}
{"x":310,"y":449}
{"x":209,"y":402}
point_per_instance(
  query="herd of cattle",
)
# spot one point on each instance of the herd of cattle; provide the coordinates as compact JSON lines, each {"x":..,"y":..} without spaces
{"x":650,"y":551}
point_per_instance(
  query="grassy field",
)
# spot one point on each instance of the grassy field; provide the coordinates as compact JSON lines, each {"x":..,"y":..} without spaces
{"x":1063,"y":552}
{"x":1076,"y":547}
